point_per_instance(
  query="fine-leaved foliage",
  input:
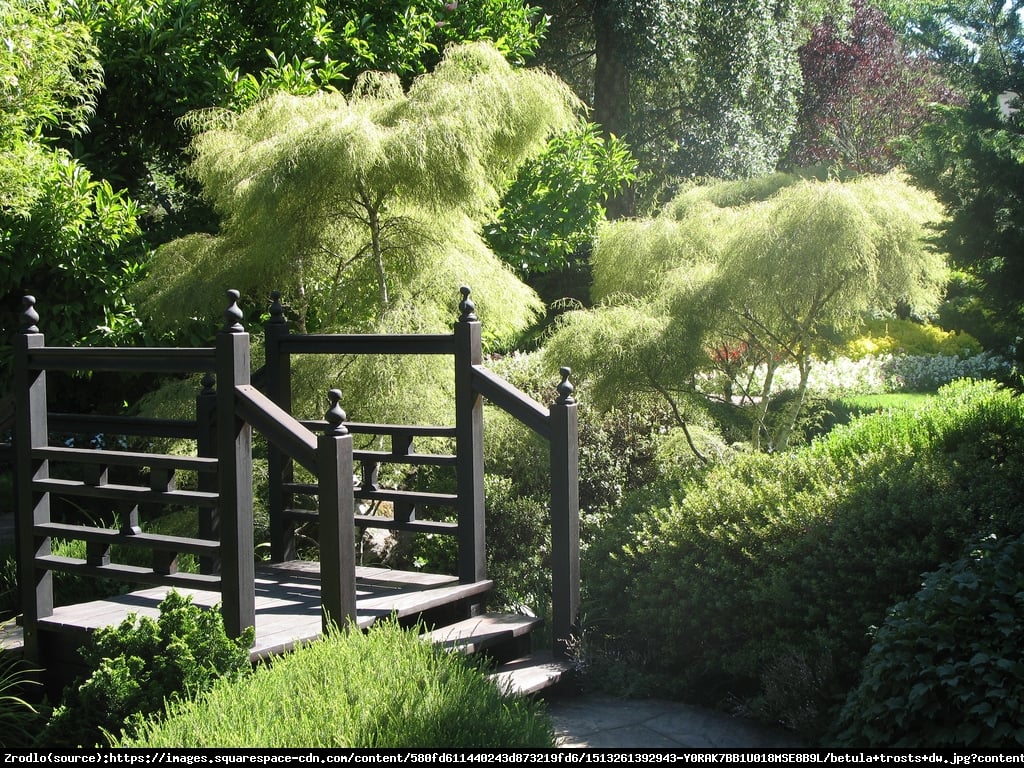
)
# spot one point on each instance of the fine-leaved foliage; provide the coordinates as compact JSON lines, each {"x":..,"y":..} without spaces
{"x":386,"y":688}
{"x":758,"y":583}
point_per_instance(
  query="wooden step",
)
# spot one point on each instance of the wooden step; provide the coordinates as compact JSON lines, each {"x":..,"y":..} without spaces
{"x":532,"y":674}
{"x":474,"y":634}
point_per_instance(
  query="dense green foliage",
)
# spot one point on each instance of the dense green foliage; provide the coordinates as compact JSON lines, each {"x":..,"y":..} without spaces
{"x":946,"y":668}
{"x":385,"y":688}
{"x":761,"y":579}
{"x":137,"y":666}
{"x":165,"y":58}
{"x":970,"y":156}
{"x":552,"y":210}
{"x":63,"y":235}
{"x":702,"y":88}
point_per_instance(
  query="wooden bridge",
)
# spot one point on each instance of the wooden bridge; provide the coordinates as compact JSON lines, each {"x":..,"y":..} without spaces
{"x":288,"y":601}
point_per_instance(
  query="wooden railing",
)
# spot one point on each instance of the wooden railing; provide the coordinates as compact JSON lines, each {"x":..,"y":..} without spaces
{"x":224,"y":463}
{"x":473,"y":384}
{"x":87,"y":476}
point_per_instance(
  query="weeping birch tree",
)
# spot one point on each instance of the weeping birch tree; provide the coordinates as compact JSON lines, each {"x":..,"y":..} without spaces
{"x":366,"y":210}
{"x":741,"y":277}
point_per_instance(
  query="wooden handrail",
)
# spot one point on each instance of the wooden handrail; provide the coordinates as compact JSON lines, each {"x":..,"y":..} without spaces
{"x":277,"y":424}
{"x":366,"y":344}
{"x":512,"y":400}
{"x":391,"y":430}
{"x":148,"y":359}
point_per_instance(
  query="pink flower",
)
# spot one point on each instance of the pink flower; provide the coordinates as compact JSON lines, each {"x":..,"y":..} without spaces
{"x":451,"y":6}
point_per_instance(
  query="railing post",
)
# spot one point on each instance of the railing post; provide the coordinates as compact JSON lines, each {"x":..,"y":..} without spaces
{"x":565,"y":518}
{"x":206,"y":446}
{"x":30,"y":431}
{"x":337,"y":519}
{"x":469,"y":445}
{"x":279,"y":466}
{"x":234,"y":451}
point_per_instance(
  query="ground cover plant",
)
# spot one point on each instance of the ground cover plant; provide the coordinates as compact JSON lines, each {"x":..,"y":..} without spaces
{"x":384,"y":688}
{"x":757,"y":585}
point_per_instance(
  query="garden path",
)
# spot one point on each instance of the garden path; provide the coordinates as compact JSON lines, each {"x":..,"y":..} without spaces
{"x":599,"y":721}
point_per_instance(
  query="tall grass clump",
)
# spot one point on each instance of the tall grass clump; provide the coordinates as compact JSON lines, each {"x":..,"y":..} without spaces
{"x":385,"y":688}
{"x":19,"y":718}
{"x":756,"y":586}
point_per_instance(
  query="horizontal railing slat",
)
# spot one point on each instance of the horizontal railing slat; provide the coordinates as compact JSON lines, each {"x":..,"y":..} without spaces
{"x":144,"y":359}
{"x":129,"y":426}
{"x":409,"y":497}
{"x":383,"y":494}
{"x":386,"y":457}
{"x":131,"y":573}
{"x":412,"y":526}
{"x":126,"y":458}
{"x":390,"y":430}
{"x":368,"y":344}
{"x":112,"y":536}
{"x":386,"y":523}
{"x":117,"y":492}
{"x":514,"y":401}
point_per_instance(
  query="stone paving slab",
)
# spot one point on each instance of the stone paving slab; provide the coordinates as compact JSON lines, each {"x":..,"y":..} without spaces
{"x":600,"y":721}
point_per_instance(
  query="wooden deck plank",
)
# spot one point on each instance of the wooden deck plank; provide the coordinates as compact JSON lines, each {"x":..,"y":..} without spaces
{"x":478,"y":632}
{"x":532,"y":674}
{"x":288,"y":606}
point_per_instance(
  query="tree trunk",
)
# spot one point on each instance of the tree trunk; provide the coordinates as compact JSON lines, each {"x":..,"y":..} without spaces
{"x":612,"y":110}
{"x":760,"y":425}
{"x":785,"y":431}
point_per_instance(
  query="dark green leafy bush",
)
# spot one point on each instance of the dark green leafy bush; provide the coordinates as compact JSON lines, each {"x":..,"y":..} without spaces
{"x":946,"y":669}
{"x":139,"y":664}
{"x":384,"y":688}
{"x":758,"y":583}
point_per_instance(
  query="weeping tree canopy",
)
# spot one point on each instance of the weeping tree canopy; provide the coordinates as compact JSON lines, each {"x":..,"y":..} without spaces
{"x":366,"y":210}
{"x":742,"y":274}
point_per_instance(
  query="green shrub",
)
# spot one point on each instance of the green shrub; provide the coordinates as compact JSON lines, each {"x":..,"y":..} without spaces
{"x":758,"y":583}
{"x":895,"y":336}
{"x":139,"y":664}
{"x":382,"y":689}
{"x":946,"y":669}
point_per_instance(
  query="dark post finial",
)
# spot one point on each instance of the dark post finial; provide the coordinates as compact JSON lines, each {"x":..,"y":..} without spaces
{"x":467,"y":309}
{"x":209,"y":382}
{"x":565,"y":387}
{"x":276,"y":309}
{"x":233,"y":314}
{"x":29,"y":316}
{"x":335,"y":416}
